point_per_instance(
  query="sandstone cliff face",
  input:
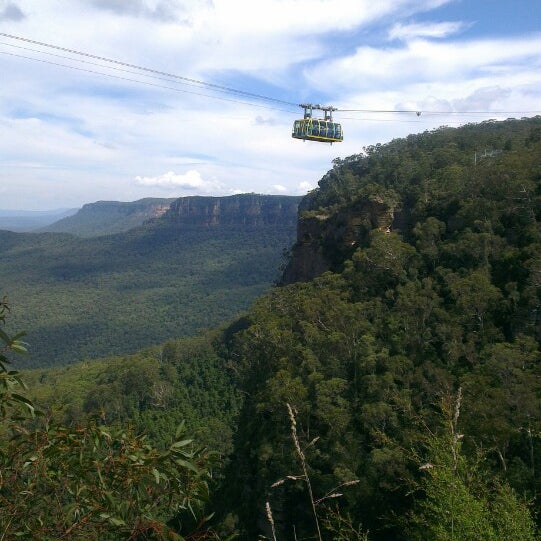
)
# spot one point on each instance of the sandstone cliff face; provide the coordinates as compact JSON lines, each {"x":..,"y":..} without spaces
{"x":143,"y":208}
{"x":244,"y":209}
{"x":325,"y":238}
{"x":108,"y":217}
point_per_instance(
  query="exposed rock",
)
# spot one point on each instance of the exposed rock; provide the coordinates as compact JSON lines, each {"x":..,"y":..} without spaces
{"x":326,"y":238}
{"x":106,"y":217}
{"x":244,"y":209}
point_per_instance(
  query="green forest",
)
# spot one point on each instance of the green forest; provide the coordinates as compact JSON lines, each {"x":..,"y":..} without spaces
{"x":394,"y":397}
{"x":94,"y":297}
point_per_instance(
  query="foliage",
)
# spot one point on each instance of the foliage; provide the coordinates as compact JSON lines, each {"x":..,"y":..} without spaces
{"x":341,"y":528}
{"x":119,"y":293}
{"x":325,"y":518}
{"x":10,"y":380}
{"x":97,"y":483}
{"x":448,"y":296}
{"x":153,"y":390}
{"x":93,"y":481}
{"x":458,"y":503}
{"x":107,"y":217}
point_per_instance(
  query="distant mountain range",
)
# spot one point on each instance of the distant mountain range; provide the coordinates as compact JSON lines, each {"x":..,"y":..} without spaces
{"x":29,"y":220}
{"x":92,"y":220}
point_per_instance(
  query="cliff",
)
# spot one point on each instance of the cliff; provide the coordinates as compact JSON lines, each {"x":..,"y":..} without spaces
{"x":108,"y":217}
{"x":327,"y":237}
{"x":436,"y":294}
{"x":392,"y":187}
{"x":235,"y":210}
{"x":196,"y":266}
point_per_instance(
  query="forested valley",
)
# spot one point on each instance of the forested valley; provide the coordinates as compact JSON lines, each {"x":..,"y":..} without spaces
{"x":388,"y":389}
{"x":86,"y":298}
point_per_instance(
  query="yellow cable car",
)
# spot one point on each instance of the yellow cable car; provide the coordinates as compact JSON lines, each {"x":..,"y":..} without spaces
{"x":323,"y":130}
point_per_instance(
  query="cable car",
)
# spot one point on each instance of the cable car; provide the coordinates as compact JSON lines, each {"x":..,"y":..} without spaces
{"x":323,"y":130}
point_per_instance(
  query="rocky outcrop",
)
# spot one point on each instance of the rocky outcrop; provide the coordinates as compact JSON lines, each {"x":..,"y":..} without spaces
{"x":141,"y":210}
{"x":325,"y":238}
{"x":244,"y":209}
{"x":107,"y":217}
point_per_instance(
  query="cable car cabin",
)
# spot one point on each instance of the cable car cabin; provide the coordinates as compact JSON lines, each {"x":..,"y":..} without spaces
{"x":316,"y":129}
{"x":323,"y":130}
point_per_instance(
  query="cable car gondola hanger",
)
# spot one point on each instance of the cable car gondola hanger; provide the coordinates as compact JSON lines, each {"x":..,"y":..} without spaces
{"x":323,"y":130}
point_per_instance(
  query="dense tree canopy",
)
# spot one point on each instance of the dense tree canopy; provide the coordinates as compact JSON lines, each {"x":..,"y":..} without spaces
{"x":91,"y":298}
{"x":446,"y":295}
{"x":92,"y":481}
{"x":436,"y":297}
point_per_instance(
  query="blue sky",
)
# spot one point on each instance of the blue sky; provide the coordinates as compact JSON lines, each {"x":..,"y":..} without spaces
{"x":69,"y":136}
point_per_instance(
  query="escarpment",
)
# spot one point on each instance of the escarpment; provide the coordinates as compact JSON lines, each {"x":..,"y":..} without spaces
{"x":244,"y":209}
{"x":325,"y":238}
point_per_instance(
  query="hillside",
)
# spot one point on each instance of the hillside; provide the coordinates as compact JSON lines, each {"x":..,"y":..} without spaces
{"x":435,"y":287}
{"x":154,"y":390}
{"x":405,"y":339}
{"x":88,"y":298}
{"x":107,"y":217}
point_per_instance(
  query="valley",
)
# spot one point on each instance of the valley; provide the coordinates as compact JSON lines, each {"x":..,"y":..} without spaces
{"x":83,"y":298}
{"x":387,"y":390}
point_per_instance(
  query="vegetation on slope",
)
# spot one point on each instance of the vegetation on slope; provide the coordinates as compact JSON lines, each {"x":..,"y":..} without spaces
{"x":90,"y":298}
{"x":412,"y":370}
{"x":109,"y":217}
{"x":368,"y":354}
{"x":93,"y":482}
{"x":154,"y":390}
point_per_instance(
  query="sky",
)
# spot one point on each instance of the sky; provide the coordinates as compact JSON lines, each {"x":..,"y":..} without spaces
{"x":75,"y":128}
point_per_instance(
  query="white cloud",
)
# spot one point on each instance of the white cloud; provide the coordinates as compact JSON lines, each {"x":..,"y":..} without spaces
{"x":305,"y":187}
{"x":407,"y":32}
{"x":263,"y":121}
{"x":161,"y":10}
{"x":265,"y":37}
{"x":465,"y":63}
{"x":84,"y":137}
{"x":191,"y":181}
{"x":298,"y":17}
{"x":11,"y":12}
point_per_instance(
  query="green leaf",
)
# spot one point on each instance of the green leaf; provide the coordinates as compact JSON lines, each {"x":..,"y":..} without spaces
{"x":18,"y":348}
{"x":182,"y":443}
{"x":23,"y":399}
{"x":7,"y":339}
{"x":187,"y":465}
{"x":181,"y":428}
{"x":109,"y":498}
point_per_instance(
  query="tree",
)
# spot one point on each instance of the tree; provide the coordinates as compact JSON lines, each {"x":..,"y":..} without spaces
{"x":456,"y":503}
{"x":93,"y":482}
{"x":10,"y":380}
